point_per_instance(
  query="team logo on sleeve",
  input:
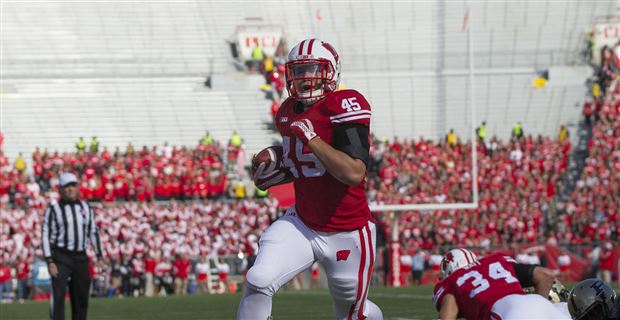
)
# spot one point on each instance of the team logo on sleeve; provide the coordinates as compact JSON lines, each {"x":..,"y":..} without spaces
{"x":342,"y":255}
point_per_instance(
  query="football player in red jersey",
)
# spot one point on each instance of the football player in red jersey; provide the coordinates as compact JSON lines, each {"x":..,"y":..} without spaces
{"x":492,"y":288}
{"x":325,"y":138}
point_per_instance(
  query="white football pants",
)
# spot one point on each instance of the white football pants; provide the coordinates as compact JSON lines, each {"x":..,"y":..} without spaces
{"x":522,"y":307}
{"x":289,"y":247}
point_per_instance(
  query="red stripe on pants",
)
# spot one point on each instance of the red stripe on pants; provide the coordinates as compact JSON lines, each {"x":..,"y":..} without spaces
{"x":360,"y":274}
{"x":360,"y":312}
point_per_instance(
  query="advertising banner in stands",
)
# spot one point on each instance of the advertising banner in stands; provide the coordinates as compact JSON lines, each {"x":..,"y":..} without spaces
{"x":265,"y":37}
{"x":576,"y":268}
{"x":605,"y":34}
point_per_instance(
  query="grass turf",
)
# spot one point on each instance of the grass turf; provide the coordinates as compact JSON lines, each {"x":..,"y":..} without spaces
{"x":396,"y":303}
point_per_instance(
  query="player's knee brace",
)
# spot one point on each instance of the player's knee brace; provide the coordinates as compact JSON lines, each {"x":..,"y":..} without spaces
{"x":260,"y":279}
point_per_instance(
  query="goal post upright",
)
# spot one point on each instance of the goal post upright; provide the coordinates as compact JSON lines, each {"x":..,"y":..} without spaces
{"x":393,"y":209}
{"x":474,"y":144}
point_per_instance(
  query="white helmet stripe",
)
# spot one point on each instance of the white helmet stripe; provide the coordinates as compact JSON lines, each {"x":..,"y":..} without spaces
{"x":466,"y":255}
{"x":473,"y":256}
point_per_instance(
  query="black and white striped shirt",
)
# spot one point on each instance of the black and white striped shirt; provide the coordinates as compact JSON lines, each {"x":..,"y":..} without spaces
{"x":67,"y":225}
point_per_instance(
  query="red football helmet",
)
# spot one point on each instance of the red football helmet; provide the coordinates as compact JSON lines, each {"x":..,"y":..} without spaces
{"x":312,"y":71}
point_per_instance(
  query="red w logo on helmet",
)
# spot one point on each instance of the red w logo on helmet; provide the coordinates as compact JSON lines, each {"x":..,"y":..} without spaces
{"x":449,"y":257}
{"x":343,"y":255}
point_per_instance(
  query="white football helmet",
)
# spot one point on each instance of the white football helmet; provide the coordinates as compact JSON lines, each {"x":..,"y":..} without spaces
{"x":312,"y":71}
{"x":454,"y":260}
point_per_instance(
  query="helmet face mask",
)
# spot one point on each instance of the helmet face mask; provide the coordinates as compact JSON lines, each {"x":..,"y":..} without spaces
{"x":312,"y":71}
{"x":594,"y":312}
{"x":309,"y":80}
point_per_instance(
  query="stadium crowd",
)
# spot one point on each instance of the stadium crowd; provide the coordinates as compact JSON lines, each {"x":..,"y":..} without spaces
{"x":163,"y":173}
{"x":593,"y":210}
{"x":517,"y":181}
{"x":151,"y":243}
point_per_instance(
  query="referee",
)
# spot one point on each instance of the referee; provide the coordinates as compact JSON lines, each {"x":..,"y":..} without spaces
{"x":66,"y":226}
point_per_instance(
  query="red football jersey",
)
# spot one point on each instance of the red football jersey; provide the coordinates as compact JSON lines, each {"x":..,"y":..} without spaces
{"x":479,"y":285}
{"x":323,"y":202}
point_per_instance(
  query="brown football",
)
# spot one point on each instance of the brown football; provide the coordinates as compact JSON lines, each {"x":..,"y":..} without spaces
{"x":271,"y":156}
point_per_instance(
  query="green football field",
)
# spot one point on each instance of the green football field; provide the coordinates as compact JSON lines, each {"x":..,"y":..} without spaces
{"x":396,"y":303}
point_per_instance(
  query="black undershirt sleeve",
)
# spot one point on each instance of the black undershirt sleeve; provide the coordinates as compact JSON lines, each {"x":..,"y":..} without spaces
{"x":525,"y":274}
{"x":352,"y":139}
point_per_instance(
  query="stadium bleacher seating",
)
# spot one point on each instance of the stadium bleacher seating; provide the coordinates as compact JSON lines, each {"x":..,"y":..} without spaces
{"x":139,"y":78}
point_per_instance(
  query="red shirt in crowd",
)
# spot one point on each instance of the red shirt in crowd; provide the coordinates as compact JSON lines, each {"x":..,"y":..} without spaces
{"x":182,"y":268}
{"x":23,"y":270}
{"x":607,"y":260}
{"x":5,"y":273}
{"x":149,"y":265}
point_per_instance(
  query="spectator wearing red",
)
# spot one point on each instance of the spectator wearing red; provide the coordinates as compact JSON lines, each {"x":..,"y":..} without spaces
{"x":5,"y":281}
{"x":223,"y":268}
{"x":564,"y":262}
{"x":181,"y":271}
{"x":23,"y":274}
{"x":202,"y":275}
{"x":607,"y":263}
{"x":138,"y":280}
{"x":277,"y":81}
{"x":275,"y":106}
{"x":149,"y":271}
{"x":163,"y":275}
